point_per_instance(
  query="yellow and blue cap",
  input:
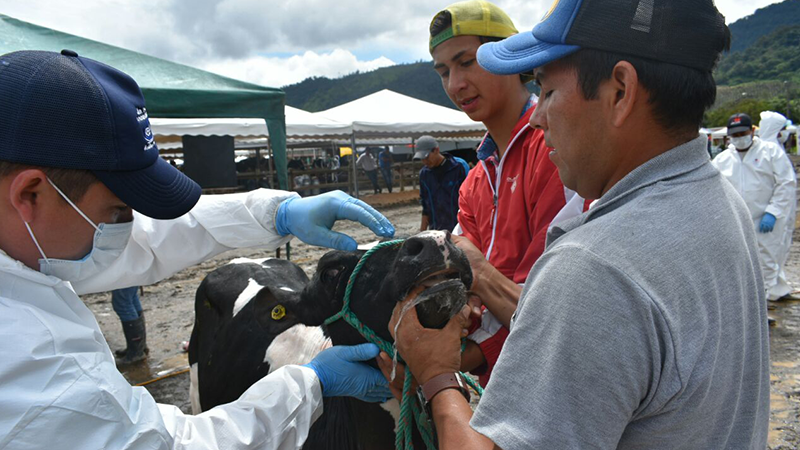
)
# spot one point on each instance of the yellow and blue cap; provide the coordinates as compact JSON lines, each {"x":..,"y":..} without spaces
{"x":473,"y":18}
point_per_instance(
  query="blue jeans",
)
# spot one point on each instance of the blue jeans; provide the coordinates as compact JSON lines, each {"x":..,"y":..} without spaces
{"x":373,"y":177}
{"x":387,"y":176}
{"x":126,"y":303}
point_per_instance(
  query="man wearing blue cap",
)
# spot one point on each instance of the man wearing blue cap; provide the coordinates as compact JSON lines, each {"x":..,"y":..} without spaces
{"x":643,"y":325}
{"x":67,"y":123}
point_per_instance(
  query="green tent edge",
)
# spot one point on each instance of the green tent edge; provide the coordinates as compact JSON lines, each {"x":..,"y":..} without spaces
{"x":171,"y":90}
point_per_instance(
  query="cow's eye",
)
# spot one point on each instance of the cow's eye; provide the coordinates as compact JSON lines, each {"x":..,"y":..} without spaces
{"x":330,"y":275}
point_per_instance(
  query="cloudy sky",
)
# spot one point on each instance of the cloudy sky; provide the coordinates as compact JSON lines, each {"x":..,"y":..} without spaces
{"x":270,"y":42}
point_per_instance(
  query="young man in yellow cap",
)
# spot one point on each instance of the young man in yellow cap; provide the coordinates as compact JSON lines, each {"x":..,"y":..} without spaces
{"x":509,"y":201}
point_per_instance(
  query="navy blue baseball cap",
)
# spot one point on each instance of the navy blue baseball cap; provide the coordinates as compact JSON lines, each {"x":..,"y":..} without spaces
{"x":690,"y":33}
{"x":67,"y":111}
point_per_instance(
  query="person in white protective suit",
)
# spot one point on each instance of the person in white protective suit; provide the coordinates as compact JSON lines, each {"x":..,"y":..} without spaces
{"x":87,"y":205}
{"x":772,"y":128}
{"x":763,"y":175}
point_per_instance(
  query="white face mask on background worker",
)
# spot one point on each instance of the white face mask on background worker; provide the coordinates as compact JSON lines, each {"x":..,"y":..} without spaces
{"x":783,"y":136}
{"x":108,"y":243}
{"x":742,"y":142}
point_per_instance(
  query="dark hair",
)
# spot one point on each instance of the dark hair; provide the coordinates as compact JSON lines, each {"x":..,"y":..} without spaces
{"x":679,"y":95}
{"x":73,"y":182}
{"x":441,"y":22}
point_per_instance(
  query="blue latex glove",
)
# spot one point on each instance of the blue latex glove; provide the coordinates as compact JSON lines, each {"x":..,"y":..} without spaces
{"x":767,"y":223}
{"x":343,"y":375}
{"x":311,"y":219}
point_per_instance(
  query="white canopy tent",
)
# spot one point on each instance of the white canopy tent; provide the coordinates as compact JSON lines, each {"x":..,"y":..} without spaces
{"x":382,"y":118}
{"x":387,"y":113}
{"x":299,"y":125}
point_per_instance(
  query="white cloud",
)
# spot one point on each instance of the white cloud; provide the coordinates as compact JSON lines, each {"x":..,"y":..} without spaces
{"x":279,"y":72}
{"x":734,"y":10}
{"x":228,"y":35}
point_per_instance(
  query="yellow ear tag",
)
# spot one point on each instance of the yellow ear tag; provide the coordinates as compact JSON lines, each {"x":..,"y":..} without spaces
{"x":278,"y":312}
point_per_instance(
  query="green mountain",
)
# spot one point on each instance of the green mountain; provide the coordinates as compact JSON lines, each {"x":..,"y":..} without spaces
{"x":763,"y":77}
{"x":417,"y":80}
{"x":772,"y":57}
{"x":748,"y":30}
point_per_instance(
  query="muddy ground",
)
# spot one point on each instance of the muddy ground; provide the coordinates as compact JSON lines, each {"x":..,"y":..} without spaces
{"x":169,"y":305}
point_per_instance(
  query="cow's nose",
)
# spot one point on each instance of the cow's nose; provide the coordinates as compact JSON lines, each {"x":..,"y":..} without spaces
{"x":425,"y":246}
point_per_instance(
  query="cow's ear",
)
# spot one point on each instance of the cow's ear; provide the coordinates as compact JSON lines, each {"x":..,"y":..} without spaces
{"x":330,"y":275}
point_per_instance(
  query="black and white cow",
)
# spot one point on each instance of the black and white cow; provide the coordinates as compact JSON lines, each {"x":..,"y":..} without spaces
{"x":255,"y":316}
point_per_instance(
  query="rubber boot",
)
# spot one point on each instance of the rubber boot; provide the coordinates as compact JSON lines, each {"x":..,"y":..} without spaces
{"x":136,"y":339}
{"x":121,"y":352}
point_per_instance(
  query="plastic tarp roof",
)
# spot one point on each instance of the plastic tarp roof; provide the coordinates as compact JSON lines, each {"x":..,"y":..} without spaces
{"x":171,"y":90}
{"x":299,"y":124}
{"x":387,"y":113}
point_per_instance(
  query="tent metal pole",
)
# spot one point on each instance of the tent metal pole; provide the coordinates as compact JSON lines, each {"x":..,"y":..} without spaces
{"x":413,"y":149}
{"x":353,"y":159}
{"x":271,"y":173}
{"x":258,"y":167}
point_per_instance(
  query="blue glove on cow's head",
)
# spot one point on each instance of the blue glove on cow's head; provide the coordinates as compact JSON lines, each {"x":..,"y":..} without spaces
{"x":767,"y":223}
{"x":311,"y":219}
{"x":342,"y":374}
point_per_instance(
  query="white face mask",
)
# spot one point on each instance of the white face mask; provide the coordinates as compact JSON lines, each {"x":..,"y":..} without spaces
{"x":743,"y":142}
{"x":783,"y":136}
{"x":109,"y":241}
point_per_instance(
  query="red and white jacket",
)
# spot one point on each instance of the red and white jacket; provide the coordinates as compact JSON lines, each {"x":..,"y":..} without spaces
{"x":505,"y":209}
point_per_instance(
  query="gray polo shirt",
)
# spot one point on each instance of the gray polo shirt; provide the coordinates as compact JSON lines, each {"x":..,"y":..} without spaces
{"x":643,"y":325}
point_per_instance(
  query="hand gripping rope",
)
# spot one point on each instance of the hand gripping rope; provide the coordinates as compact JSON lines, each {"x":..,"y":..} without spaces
{"x":410,"y":408}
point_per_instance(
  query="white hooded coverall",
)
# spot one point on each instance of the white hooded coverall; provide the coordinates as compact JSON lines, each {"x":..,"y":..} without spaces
{"x":771,"y":124}
{"x":59,"y":386}
{"x":765,"y":179}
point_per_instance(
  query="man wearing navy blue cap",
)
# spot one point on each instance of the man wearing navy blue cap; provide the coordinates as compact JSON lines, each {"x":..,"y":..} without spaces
{"x":642,"y":325}
{"x":68,"y":122}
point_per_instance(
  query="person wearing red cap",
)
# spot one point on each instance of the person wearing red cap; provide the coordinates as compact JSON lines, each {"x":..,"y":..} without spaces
{"x":87,"y":205}
{"x":644,"y":323}
{"x":764,"y":176}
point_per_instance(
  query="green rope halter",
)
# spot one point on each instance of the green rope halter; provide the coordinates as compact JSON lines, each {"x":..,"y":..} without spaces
{"x":410,"y":408}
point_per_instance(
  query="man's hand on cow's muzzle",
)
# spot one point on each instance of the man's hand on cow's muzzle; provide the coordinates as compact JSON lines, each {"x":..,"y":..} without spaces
{"x":428,"y":352}
{"x":342,"y":373}
{"x":311,"y":219}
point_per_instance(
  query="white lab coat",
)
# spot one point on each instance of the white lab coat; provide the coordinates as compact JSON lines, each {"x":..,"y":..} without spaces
{"x":60,"y":388}
{"x":765,"y":179}
{"x":771,"y":124}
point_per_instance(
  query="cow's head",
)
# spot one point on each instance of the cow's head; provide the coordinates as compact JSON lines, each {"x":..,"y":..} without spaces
{"x":236,"y":307}
{"x":427,"y":265}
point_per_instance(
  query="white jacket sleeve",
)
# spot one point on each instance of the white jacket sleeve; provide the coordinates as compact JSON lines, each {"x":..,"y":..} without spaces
{"x":783,"y":193}
{"x":276,"y":413}
{"x":160,"y":248}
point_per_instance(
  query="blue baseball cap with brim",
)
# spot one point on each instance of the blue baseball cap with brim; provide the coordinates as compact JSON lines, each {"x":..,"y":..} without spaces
{"x":689,"y":33}
{"x":70,"y":112}
{"x":520,"y":53}
{"x":526,"y":51}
